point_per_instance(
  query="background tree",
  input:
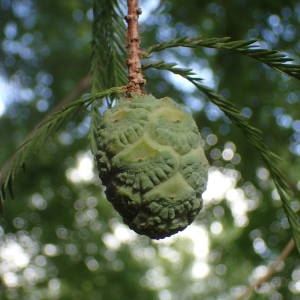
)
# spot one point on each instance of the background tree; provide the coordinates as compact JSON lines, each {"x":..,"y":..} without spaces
{"x":61,"y":239}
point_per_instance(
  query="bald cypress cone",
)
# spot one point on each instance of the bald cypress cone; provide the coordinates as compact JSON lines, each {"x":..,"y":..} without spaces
{"x":151,"y":160}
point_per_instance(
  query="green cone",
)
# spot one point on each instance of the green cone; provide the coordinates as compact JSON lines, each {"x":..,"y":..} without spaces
{"x":151,"y":160}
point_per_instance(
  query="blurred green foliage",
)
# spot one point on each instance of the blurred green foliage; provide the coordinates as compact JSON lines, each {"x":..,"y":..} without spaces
{"x":60,"y":238}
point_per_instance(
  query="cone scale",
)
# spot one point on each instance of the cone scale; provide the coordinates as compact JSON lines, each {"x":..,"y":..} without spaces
{"x":150,"y":158}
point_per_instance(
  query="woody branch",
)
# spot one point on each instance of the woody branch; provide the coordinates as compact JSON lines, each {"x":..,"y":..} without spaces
{"x":136,"y":81}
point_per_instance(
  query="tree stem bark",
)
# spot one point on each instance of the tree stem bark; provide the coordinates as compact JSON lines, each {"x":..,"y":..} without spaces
{"x":136,"y":81}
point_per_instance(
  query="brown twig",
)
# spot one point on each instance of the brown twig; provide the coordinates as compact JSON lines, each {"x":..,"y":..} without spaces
{"x":80,"y":88}
{"x":271,"y":270}
{"x":136,"y":81}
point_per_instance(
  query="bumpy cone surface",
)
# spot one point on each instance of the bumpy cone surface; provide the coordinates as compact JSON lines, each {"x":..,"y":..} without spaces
{"x":150,"y":157}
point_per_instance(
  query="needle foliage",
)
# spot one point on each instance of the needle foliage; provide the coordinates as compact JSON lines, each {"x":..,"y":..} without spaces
{"x":108,"y":69}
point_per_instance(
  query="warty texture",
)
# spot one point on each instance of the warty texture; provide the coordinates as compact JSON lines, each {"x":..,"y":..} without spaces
{"x":151,"y":160}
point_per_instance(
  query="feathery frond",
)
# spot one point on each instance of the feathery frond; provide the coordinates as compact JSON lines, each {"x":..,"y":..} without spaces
{"x":41,"y":133}
{"x":273,"y":58}
{"x":253,"y":135}
{"x":108,"y":53}
{"x":108,"y":45}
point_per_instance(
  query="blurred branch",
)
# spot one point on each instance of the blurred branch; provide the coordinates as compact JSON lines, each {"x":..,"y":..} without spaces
{"x":40,"y":134}
{"x":83,"y":84}
{"x":79,"y":88}
{"x":271,"y":270}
